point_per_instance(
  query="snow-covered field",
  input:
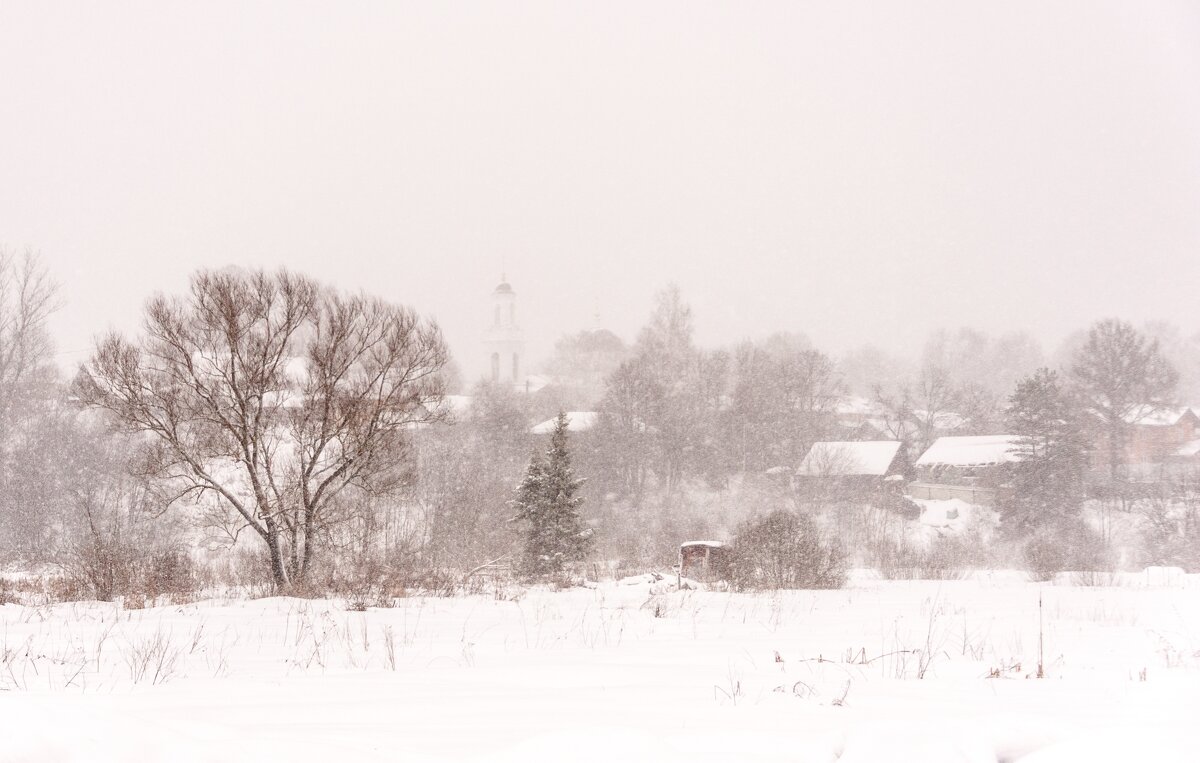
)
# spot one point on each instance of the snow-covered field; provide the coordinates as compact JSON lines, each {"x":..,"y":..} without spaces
{"x":896,"y":671}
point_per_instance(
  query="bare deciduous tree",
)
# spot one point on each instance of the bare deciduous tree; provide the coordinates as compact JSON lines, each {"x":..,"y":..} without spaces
{"x":28,"y":296}
{"x":915,"y":414}
{"x":29,"y":421}
{"x":625,"y":440}
{"x":276,"y":395}
{"x":782,"y":402}
{"x":936,"y":399}
{"x":895,"y":412}
{"x":113,"y":536}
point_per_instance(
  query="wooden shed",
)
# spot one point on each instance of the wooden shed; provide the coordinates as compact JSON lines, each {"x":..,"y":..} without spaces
{"x":704,"y":560}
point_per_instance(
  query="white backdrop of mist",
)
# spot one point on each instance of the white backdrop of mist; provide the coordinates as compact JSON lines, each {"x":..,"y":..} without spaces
{"x":855,"y":171}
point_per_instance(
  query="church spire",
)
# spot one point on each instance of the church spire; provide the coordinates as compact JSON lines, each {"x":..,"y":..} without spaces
{"x":504,"y":343}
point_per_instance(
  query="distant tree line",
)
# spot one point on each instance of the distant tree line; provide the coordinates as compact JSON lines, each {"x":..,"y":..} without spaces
{"x":269,"y":423}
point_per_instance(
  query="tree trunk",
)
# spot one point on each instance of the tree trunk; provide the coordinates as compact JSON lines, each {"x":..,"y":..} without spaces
{"x":306,"y":559}
{"x":278,"y":569}
{"x":1116,"y":444}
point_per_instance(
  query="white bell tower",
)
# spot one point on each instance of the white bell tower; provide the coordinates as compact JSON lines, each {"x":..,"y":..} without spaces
{"x":503,"y":341}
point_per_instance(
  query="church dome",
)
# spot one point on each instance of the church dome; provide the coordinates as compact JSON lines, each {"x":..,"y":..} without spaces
{"x":503,"y":288}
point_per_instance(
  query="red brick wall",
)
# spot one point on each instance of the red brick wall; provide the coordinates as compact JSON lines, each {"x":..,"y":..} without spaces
{"x":1150,"y":444}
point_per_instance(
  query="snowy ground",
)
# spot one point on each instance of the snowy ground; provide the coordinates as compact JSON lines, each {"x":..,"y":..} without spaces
{"x":878,"y":671}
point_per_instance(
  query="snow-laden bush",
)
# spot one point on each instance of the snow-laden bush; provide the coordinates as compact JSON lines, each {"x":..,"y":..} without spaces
{"x":1068,"y":545}
{"x":785,"y":550}
{"x":1169,"y":525}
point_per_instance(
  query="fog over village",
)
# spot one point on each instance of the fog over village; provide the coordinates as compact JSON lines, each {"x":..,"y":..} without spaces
{"x":561,"y":381}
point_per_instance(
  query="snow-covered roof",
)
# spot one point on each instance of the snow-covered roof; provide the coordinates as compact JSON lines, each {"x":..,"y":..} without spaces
{"x":708,"y":543}
{"x":456,"y":405}
{"x":534,"y":383}
{"x":853,"y":404}
{"x":577,"y":421}
{"x":979,"y":450}
{"x":1152,"y":416}
{"x":869,"y":458}
{"x":941,"y":419}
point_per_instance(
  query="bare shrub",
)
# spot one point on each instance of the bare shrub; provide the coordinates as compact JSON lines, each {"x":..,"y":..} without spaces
{"x":1171,"y":524}
{"x":171,"y":571}
{"x":247,"y":571}
{"x":1094,"y":578}
{"x":945,"y":558}
{"x":785,"y":550}
{"x":64,"y":588}
{"x":114,"y":539}
{"x":102,"y":566}
{"x":378,"y":581}
{"x":441,"y":583}
{"x":1070,"y":545}
{"x":110,"y":565}
{"x":369,"y":585}
{"x":1044,"y":558}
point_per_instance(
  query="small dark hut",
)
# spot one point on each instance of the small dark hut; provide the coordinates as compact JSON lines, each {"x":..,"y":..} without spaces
{"x":704,"y":560}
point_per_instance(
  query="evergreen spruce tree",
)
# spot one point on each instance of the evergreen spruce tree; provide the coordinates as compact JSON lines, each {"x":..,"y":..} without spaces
{"x":530,"y":511}
{"x":1047,"y":480}
{"x":1122,"y":377}
{"x":548,"y":506}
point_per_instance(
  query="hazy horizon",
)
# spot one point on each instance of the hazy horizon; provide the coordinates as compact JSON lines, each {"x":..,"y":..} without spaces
{"x":859,"y":174}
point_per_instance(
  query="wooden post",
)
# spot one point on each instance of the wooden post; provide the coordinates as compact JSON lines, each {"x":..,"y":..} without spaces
{"x":1041,"y":659}
{"x":679,"y":570}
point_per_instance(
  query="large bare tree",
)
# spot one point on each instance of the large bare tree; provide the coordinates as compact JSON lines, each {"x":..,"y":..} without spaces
{"x":29,"y":415}
{"x":28,"y":296}
{"x":275,"y":397}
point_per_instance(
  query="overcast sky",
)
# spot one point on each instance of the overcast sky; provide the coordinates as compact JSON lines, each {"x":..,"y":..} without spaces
{"x":858,"y":172}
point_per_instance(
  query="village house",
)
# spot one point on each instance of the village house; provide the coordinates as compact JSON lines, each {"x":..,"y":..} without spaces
{"x":1186,"y":455}
{"x":858,"y":418}
{"x":853,"y":469}
{"x":1154,"y":438}
{"x":969,"y":468}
